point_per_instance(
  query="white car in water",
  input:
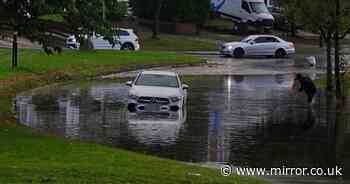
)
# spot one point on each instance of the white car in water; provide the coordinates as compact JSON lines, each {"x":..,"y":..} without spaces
{"x":258,"y":45}
{"x":156,"y":91}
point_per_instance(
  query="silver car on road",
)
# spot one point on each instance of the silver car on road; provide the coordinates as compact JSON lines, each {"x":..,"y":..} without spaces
{"x":258,"y":45}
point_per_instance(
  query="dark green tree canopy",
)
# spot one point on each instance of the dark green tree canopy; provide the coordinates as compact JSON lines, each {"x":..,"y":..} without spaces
{"x":45,"y":20}
{"x":191,"y":11}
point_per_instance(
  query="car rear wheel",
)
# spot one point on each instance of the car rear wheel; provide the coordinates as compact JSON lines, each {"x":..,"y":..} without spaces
{"x":238,"y":53}
{"x":280,"y":53}
{"x":127,"y":46}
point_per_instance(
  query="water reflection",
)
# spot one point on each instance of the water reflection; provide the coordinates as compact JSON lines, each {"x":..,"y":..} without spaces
{"x":245,"y":120}
{"x":156,"y":129}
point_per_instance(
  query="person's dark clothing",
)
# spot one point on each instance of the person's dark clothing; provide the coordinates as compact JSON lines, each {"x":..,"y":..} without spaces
{"x":307,"y":85}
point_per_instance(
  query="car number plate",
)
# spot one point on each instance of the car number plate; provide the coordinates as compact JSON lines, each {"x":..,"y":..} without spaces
{"x":152,"y":107}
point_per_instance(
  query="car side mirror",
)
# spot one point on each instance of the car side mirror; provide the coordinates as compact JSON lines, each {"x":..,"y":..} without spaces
{"x":251,"y":42}
{"x":185,"y":87}
{"x":129,"y":83}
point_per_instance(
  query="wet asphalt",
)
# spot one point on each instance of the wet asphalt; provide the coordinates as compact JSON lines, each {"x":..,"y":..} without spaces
{"x":219,"y":65}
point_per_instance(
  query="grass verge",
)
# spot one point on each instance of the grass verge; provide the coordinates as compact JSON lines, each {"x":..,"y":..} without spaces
{"x":177,"y":43}
{"x":322,"y":84}
{"x":207,"y":41}
{"x":27,"y":156}
{"x":84,"y":64}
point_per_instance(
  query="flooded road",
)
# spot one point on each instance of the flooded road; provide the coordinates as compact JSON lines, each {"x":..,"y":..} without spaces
{"x":218,"y":65}
{"x":254,"y":121}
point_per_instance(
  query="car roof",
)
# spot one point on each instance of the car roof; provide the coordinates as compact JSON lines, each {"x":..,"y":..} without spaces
{"x":122,"y":29}
{"x":153,"y":72}
{"x":255,"y":36}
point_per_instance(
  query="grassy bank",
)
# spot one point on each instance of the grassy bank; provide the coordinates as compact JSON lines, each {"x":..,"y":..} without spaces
{"x":28,"y":156}
{"x":85,"y":64}
{"x":168,"y":42}
{"x":207,"y":41}
{"x":322,"y":84}
{"x":303,"y":49}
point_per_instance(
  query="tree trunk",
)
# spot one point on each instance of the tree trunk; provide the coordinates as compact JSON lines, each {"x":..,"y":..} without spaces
{"x":156,"y":19}
{"x":329,"y":64}
{"x":103,"y":10}
{"x":14,"y":51}
{"x":293,"y":28}
{"x":321,"y":41}
{"x":337,"y":53}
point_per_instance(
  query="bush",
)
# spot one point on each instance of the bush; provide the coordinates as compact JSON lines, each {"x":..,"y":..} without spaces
{"x":189,"y":11}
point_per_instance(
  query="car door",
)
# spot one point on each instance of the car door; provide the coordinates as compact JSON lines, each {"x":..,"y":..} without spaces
{"x":122,"y":36}
{"x":99,"y":43}
{"x":264,"y":45}
{"x":257,"y":46}
{"x":270,"y":46}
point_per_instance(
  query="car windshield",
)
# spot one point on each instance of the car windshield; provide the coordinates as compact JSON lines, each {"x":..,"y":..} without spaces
{"x":157,"y":80}
{"x":259,"y":7}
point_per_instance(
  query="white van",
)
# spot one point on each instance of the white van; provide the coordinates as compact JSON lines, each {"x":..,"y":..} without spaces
{"x":124,"y":39}
{"x":253,"y":12}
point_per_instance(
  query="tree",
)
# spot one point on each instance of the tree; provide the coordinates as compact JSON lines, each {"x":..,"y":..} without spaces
{"x":291,"y":10}
{"x":331,"y":20}
{"x":342,"y":28}
{"x":158,"y":6}
{"x":187,"y":11}
{"x":151,"y":10}
{"x":48,"y":21}
{"x":116,"y":10}
{"x":319,"y":19}
{"x":190,"y":11}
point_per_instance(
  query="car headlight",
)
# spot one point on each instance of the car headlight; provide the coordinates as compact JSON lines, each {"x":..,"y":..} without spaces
{"x":230,"y":47}
{"x":132,"y":96}
{"x":175,"y":98}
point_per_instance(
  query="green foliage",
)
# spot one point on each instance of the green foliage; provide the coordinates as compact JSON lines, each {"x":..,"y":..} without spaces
{"x":116,"y":10}
{"x":52,"y":17}
{"x":37,"y":19}
{"x":291,"y":10}
{"x":143,"y":9}
{"x":316,"y":16}
{"x":192,"y":11}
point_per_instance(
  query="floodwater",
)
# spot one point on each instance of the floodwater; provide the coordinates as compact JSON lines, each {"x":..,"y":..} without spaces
{"x":254,"y":121}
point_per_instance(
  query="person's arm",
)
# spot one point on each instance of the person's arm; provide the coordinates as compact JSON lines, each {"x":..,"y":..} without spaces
{"x":301,"y":86}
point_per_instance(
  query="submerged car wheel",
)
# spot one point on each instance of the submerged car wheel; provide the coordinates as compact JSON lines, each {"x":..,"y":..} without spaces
{"x":132,"y":107}
{"x":238,"y":53}
{"x":127,"y":46}
{"x":280,"y":53}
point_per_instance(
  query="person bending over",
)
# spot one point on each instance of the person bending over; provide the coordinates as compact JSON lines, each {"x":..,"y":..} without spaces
{"x":306,"y":85}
